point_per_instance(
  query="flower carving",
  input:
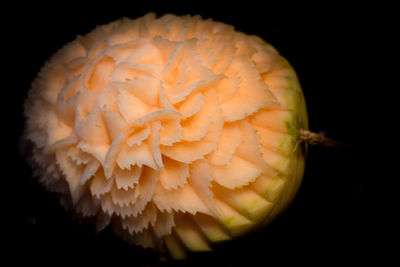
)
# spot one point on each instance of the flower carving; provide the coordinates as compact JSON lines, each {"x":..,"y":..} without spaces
{"x":157,"y":124}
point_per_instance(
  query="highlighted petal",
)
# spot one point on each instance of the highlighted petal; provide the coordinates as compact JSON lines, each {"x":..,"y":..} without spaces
{"x":179,"y":94}
{"x":165,"y":46}
{"x":190,"y":151}
{"x":146,"y":54}
{"x":57,"y":129}
{"x":66,"y":110}
{"x":200,"y":179}
{"x":108,"y":99}
{"x":115,"y":123}
{"x":238,"y":173}
{"x":124,"y":197}
{"x":231,"y":138}
{"x":138,"y":136}
{"x":225,"y":57}
{"x":125,"y":179}
{"x":61,"y":144}
{"x":72,"y":173}
{"x":163,"y":100}
{"x":174,"y":174}
{"x":183,"y":199}
{"x":112,"y":153}
{"x":122,"y":51}
{"x":154,"y":144}
{"x":138,"y":224}
{"x":161,"y":114}
{"x":272,"y":119}
{"x":99,"y":74}
{"x":100,"y":184}
{"x":86,"y":104}
{"x":78,"y":156}
{"x":206,"y":55}
{"x":145,"y":88}
{"x":146,"y":187}
{"x":251,"y":143}
{"x":197,"y":126}
{"x":145,"y":190}
{"x":252,"y":94}
{"x":93,"y":130}
{"x":138,"y":155}
{"x":132,"y":70}
{"x":90,"y":170}
{"x":170,"y":133}
{"x":98,"y":151}
{"x":192,"y":105}
{"x":177,"y":57}
{"x":126,"y":71}
{"x":131,"y":107}
{"x":70,"y":90}
{"x":228,"y":87}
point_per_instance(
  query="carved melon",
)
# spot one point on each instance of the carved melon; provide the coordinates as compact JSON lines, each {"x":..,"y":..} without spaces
{"x":180,"y":131}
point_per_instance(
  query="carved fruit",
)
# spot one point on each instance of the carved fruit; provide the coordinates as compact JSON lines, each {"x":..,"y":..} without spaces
{"x":179,"y":131}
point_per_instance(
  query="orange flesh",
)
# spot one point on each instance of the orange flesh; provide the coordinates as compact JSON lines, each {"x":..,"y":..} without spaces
{"x":181,"y":138}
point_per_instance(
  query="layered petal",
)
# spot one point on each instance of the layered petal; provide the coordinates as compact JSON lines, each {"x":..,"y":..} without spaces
{"x":252,"y":93}
{"x":178,"y":130}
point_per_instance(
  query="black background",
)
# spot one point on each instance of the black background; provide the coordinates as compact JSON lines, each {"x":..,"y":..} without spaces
{"x":332,"y":218}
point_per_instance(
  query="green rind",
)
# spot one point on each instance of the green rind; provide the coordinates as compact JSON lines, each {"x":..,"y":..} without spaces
{"x":282,"y":190}
{"x":296,"y":102}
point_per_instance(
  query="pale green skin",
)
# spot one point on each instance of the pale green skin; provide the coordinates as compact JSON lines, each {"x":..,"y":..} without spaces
{"x":276,"y":196}
{"x":295,"y":99}
{"x":284,"y":188}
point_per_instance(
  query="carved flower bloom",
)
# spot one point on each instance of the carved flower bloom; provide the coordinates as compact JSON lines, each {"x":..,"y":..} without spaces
{"x":178,"y":130}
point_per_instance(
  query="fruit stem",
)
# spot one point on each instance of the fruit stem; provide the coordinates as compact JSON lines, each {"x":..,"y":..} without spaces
{"x":317,"y":139}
